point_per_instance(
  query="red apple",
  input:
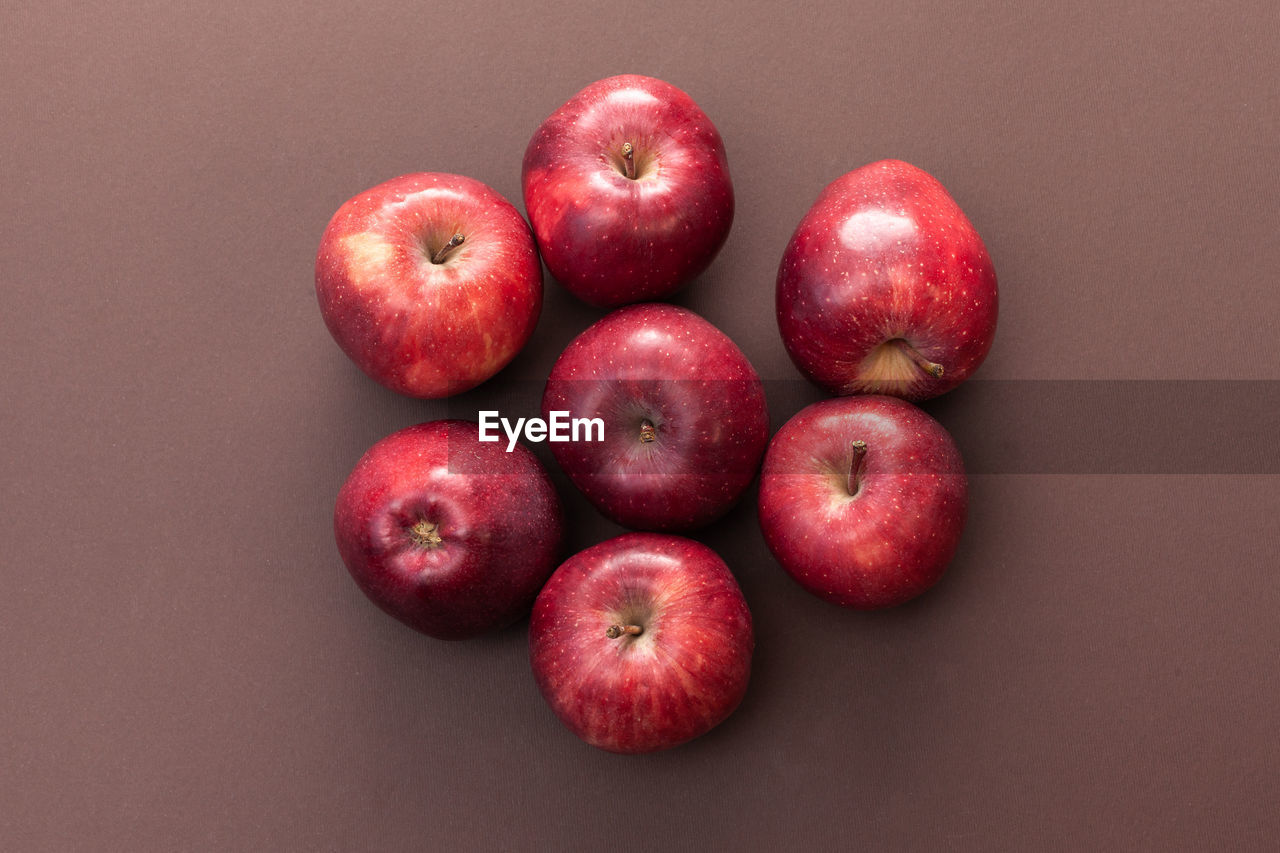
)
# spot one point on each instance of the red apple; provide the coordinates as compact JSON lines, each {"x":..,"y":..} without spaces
{"x":683,"y":412}
{"x":451,"y":536}
{"x":429,"y":282}
{"x":642,"y":642}
{"x":886,"y":287}
{"x":862,"y":500}
{"x":628,"y":191}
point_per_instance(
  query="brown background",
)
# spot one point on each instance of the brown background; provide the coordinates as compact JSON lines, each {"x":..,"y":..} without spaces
{"x":184,"y":663}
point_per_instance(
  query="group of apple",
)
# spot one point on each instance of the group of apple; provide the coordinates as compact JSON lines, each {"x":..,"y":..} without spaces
{"x":433,"y":282}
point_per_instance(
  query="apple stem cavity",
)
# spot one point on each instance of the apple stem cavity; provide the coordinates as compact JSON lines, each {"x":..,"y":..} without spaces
{"x":930,"y":367}
{"x":629,"y":160}
{"x":859,"y":449}
{"x":647,"y":432}
{"x":454,"y":242}
{"x":426,"y":534}
{"x":616,"y":631}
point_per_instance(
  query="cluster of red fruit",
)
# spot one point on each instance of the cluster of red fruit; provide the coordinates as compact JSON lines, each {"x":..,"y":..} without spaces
{"x":432,"y":283}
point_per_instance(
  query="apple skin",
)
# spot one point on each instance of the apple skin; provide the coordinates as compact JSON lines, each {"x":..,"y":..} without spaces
{"x":890,"y":541}
{"x":498,"y":529}
{"x":669,"y":367}
{"x":421,"y":328}
{"x":610,"y":239}
{"x":682,"y":676}
{"x":886,"y":255}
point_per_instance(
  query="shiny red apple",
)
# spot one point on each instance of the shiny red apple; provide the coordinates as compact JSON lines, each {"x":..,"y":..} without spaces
{"x":683,"y":413}
{"x":886,"y":287}
{"x":449,"y":535}
{"x":628,"y":191}
{"x":863,"y":500}
{"x":429,"y":282}
{"x":642,"y":642}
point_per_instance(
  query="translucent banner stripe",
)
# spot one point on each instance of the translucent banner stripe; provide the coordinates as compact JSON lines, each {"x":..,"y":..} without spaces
{"x":1042,"y":426}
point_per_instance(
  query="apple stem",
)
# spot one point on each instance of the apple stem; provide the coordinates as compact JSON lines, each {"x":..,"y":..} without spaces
{"x":647,"y":432}
{"x":930,"y":367}
{"x":425,"y":534}
{"x":616,"y":631}
{"x":454,"y":242}
{"x":855,"y":470}
{"x":629,"y":160}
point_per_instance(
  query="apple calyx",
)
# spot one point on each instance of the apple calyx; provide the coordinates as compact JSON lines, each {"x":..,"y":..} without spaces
{"x":629,"y":160}
{"x":930,"y":367}
{"x":616,"y":631}
{"x":854,"y":484}
{"x":647,"y":432}
{"x":426,"y":534}
{"x":454,"y":242}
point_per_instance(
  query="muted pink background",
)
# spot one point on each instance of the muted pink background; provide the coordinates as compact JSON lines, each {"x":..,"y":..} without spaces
{"x":184,"y":663}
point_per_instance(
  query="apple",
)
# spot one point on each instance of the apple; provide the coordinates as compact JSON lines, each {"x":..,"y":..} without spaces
{"x":685,"y":421}
{"x":430,"y":283}
{"x":863,"y":500}
{"x":642,"y":642}
{"x":449,"y":535}
{"x":628,"y":191}
{"x":886,"y":288}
